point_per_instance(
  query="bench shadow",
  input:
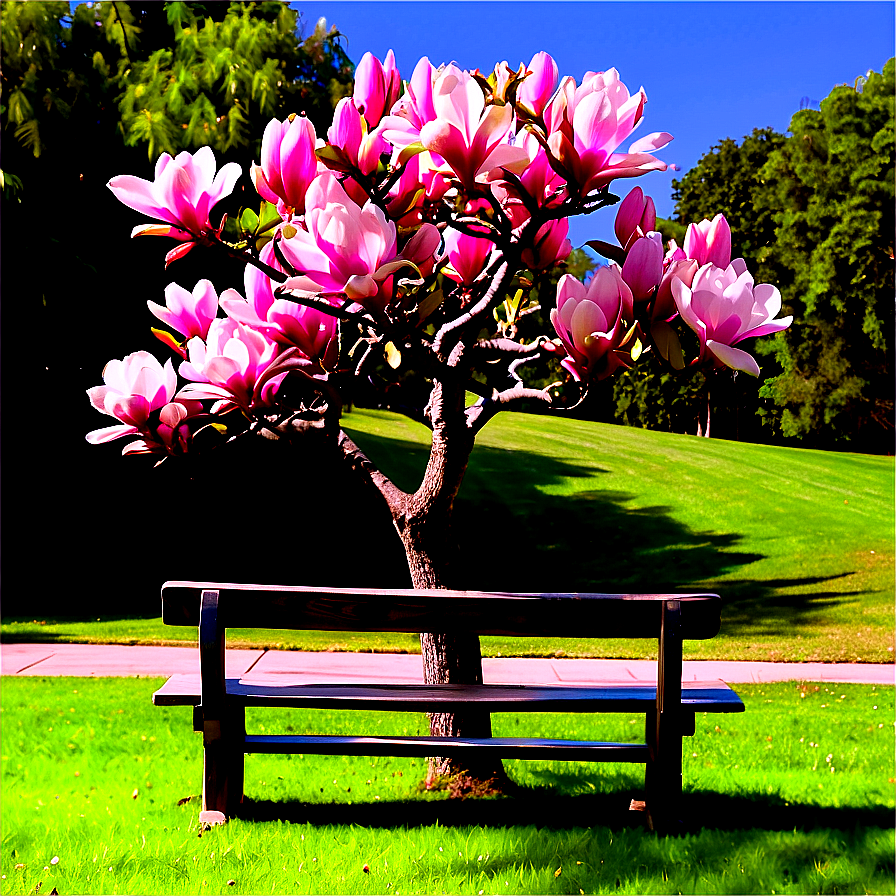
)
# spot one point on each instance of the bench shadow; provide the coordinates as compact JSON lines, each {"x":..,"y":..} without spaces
{"x":700,"y":810}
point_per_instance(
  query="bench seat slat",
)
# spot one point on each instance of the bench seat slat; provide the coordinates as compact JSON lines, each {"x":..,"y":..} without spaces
{"x":702,"y":696}
{"x":502,"y":747}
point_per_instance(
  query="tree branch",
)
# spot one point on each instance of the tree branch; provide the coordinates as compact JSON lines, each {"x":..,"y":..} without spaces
{"x":324,"y":307}
{"x":480,"y":413}
{"x":394,"y":497}
{"x":501,"y":346}
{"x":480,"y":307}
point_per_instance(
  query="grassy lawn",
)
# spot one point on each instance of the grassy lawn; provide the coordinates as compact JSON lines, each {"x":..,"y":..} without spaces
{"x":793,"y":796}
{"x":799,"y":543}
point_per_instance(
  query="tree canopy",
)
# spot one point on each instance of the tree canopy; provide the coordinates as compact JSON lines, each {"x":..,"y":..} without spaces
{"x":727,"y":180}
{"x":107,"y":87}
{"x":166,"y":76}
{"x":829,"y":189}
{"x":811,"y":212}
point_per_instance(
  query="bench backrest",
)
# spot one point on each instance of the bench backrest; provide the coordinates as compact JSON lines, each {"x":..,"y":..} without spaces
{"x":414,"y":610}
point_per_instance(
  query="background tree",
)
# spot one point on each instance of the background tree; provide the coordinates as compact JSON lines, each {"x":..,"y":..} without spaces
{"x":726,"y":180}
{"x":64,"y":74}
{"x":829,"y":190}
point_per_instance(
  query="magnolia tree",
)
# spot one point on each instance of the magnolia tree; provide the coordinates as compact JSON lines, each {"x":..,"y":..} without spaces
{"x":400,"y":240}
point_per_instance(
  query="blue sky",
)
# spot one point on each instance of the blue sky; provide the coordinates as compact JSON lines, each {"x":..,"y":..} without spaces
{"x":710,"y":69}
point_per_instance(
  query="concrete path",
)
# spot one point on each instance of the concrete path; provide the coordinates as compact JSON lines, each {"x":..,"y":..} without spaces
{"x":112,"y":659}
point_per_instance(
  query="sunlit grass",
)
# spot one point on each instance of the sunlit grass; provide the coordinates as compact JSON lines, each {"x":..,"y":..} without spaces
{"x":793,"y":796}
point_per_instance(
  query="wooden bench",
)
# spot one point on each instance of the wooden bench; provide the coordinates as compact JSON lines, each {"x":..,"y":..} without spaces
{"x":219,"y":703}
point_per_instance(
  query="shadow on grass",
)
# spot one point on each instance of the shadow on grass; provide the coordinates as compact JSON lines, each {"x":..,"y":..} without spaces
{"x":700,"y":810}
{"x":595,"y":540}
{"x":307,"y":516}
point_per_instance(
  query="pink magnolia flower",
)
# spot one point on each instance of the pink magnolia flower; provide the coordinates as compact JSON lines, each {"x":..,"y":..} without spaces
{"x":414,"y":109}
{"x":230,"y":366}
{"x":420,"y":183}
{"x":635,"y":218}
{"x":674,"y":253}
{"x":171,"y":434}
{"x":539,"y":180}
{"x":349,"y":132}
{"x":467,"y":256}
{"x":288,"y":163}
{"x":184,"y":191}
{"x":548,"y":245}
{"x":350,"y":249}
{"x":377,"y":87}
{"x":287,"y":323}
{"x":189,"y":313}
{"x":539,"y":84}
{"x":446,"y":112}
{"x":134,"y":388}
{"x":344,"y":245}
{"x":722,"y":307}
{"x":709,"y":241}
{"x":588,"y":124}
{"x":471,"y":137}
{"x":682,"y":269}
{"x":593,"y":323}
{"x":643,"y":266}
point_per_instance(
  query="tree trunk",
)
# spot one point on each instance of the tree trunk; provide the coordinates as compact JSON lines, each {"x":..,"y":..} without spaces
{"x":423,"y":522}
{"x":450,"y":658}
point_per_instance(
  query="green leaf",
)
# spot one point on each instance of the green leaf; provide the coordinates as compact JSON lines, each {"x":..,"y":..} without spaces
{"x":393,"y":355}
{"x":268,"y":214}
{"x":409,"y":152}
{"x":249,"y":221}
{"x":667,"y":344}
{"x":608,"y":250}
{"x":335,"y":158}
{"x":430,"y":303}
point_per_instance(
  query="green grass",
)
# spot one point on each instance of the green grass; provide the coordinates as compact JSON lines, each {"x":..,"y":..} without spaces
{"x":799,"y":543}
{"x":793,"y":796}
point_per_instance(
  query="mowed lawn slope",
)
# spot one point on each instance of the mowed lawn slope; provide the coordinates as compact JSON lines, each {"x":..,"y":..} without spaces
{"x":799,"y":543}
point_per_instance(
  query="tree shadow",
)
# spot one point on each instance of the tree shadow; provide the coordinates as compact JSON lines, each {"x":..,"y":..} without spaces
{"x":516,"y":535}
{"x":259,"y":511}
{"x":699,"y":810}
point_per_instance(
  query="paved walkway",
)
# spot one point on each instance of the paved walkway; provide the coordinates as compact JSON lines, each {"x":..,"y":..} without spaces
{"x":113,"y":659}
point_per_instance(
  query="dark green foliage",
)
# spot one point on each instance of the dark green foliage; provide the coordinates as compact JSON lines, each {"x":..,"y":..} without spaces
{"x":75,"y":285}
{"x":726,"y":181}
{"x":222,"y":81}
{"x":811,"y":213}
{"x":830,"y":191}
{"x":166,"y":76}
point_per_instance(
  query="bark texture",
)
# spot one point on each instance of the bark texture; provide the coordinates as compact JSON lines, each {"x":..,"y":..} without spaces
{"x":423,"y":522}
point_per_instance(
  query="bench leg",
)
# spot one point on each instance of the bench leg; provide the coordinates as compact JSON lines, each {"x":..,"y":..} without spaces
{"x":223,"y":763}
{"x":666,"y":726}
{"x":662,"y":777}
